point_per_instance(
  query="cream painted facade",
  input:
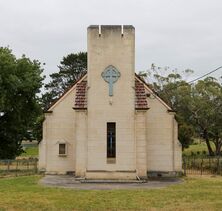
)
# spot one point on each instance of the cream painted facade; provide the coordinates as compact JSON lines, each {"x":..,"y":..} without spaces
{"x":145,"y":139}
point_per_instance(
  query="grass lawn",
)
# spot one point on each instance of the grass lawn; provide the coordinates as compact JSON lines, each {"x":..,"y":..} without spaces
{"x":31,"y":152}
{"x":197,"y":148}
{"x":24,"y":193}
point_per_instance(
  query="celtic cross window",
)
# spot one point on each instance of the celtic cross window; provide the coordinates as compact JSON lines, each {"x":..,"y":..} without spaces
{"x":110,"y":75}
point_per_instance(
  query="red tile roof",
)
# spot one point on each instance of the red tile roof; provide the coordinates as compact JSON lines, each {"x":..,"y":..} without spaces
{"x":81,"y":99}
{"x":63,"y":94}
{"x":155,"y":93}
{"x":140,"y":96}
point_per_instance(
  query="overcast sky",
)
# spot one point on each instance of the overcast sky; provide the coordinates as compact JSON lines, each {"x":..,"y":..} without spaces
{"x":176,"y":33}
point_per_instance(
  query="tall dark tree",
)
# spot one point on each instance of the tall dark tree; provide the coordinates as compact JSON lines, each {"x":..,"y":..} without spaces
{"x":20,"y":81}
{"x":71,"y":68}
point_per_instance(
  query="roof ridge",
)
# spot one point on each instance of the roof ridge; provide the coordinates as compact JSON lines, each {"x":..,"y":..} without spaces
{"x":157,"y":95}
{"x":65,"y":92}
{"x":81,"y":99}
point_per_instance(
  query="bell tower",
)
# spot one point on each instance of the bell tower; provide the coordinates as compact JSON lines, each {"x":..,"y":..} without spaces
{"x":111,"y":98}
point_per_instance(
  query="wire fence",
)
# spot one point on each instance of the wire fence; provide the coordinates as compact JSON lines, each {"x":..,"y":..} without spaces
{"x":18,"y":167}
{"x":202,"y":165}
{"x":192,"y":165}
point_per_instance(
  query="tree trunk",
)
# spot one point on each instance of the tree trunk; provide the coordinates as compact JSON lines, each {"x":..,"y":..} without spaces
{"x":211,"y":152}
{"x":182,"y":147}
{"x":205,"y":136}
{"x":218,"y":145}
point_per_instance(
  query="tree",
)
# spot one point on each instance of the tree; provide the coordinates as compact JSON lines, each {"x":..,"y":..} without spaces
{"x":198,"y":106}
{"x":176,"y":92}
{"x":20,"y":81}
{"x":71,"y":68}
{"x":206,"y":107}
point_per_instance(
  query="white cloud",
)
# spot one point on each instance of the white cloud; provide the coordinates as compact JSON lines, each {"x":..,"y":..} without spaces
{"x":175,"y":33}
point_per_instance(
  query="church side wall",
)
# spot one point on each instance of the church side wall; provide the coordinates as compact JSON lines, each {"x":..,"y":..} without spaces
{"x":178,"y":149}
{"x":163,"y":149}
{"x":141,"y":144}
{"x":80,"y":142}
{"x":59,"y":128}
{"x":42,"y":150}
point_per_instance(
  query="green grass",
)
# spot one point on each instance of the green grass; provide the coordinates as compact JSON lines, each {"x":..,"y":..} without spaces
{"x":31,"y":152}
{"x":197,"y":148}
{"x":24,"y":193}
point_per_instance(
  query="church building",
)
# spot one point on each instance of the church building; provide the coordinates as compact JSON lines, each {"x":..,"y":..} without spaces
{"x":110,"y":124}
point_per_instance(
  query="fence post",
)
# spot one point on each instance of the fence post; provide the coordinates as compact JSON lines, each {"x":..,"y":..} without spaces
{"x":201,"y":170}
{"x":194,"y":167}
{"x":184,"y":167}
{"x":28,"y":167}
{"x":210,"y":165}
{"x":218,"y":165}
{"x":16,"y":170}
{"x":36,"y":166}
{"x":8,"y":166}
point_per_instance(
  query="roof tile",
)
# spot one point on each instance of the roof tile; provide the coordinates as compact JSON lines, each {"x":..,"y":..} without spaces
{"x":140,"y":98}
{"x":81,"y":99}
{"x":81,"y":96}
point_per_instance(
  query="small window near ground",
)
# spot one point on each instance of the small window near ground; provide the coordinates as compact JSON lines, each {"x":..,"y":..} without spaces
{"x":62,"y":149}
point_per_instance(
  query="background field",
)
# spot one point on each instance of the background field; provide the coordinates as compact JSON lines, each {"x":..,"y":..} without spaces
{"x":198,"y":148}
{"x":31,"y":152}
{"x":31,"y":149}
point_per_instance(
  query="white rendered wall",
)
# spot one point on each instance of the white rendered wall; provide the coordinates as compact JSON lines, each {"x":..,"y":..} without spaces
{"x":141,"y":143}
{"x":163,"y":148}
{"x":111,"y":48}
{"x":59,"y":128}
